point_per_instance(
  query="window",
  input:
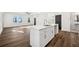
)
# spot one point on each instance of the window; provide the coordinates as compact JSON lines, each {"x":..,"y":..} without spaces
{"x":17,"y":19}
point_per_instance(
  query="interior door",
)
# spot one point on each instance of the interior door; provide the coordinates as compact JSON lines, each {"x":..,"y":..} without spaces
{"x":58,"y":21}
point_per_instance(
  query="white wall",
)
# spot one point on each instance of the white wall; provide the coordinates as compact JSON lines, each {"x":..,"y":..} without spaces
{"x":40,"y":16}
{"x":1,"y":27}
{"x":8,"y":19}
{"x":74,"y":27}
{"x":66,"y":21}
{"x":49,"y":16}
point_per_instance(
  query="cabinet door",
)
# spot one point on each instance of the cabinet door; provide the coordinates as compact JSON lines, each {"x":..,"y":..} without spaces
{"x":55,"y":29}
{"x":52,"y":32}
{"x":43,"y":37}
{"x":46,"y":35}
{"x":49,"y":34}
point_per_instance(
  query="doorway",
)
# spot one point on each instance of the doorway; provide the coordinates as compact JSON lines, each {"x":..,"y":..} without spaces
{"x":58,"y":21}
{"x":34,"y":21}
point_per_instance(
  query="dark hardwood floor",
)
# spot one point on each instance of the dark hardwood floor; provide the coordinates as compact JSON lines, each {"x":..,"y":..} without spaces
{"x":15,"y":37}
{"x":20,"y":37}
{"x":65,"y":39}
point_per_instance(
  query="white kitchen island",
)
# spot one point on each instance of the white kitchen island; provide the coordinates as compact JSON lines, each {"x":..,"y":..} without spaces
{"x":40,"y":36}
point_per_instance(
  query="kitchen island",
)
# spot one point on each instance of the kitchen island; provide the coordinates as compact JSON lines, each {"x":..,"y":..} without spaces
{"x":40,"y":36}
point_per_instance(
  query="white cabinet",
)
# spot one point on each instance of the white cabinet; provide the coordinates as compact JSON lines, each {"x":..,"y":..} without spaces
{"x":40,"y":37}
{"x":45,"y":36}
{"x":56,"y":29}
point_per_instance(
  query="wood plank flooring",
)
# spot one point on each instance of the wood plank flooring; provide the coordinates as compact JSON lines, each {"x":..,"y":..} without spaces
{"x":15,"y":37}
{"x":20,"y":37}
{"x":65,"y":39}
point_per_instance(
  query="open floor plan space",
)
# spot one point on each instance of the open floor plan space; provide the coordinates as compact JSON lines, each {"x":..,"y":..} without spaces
{"x":39,"y":29}
{"x":20,"y":37}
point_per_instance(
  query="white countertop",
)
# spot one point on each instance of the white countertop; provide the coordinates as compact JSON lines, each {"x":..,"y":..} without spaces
{"x":76,"y":23}
{"x":39,"y":27}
